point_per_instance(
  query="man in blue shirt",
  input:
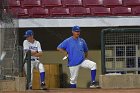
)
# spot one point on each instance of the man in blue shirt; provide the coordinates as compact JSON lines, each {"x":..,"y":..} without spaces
{"x":76,"y":50}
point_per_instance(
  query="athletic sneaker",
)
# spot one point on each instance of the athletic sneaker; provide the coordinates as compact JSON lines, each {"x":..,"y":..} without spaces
{"x":93,"y":85}
{"x":30,"y":88}
{"x":43,"y":86}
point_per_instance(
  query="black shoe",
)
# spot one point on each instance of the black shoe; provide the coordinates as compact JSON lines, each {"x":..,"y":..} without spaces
{"x":43,"y":86}
{"x":93,"y":85}
{"x":30,"y":88}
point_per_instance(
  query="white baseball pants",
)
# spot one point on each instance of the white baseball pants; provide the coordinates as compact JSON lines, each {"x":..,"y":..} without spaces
{"x":75,"y":69}
{"x":34,"y":64}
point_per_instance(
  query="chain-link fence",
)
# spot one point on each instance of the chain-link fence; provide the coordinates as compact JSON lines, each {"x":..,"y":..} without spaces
{"x":9,"y":66}
{"x":121,"y":51}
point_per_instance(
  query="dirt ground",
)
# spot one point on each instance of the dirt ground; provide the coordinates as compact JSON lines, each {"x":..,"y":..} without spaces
{"x":78,"y":90}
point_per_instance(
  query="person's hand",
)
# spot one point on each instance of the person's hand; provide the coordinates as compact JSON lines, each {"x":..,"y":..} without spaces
{"x":33,"y":52}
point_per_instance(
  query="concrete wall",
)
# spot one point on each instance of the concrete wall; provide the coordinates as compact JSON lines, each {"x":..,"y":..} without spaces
{"x":19,"y":84}
{"x":83,"y":22}
{"x":120,"y":81}
{"x":84,"y":74}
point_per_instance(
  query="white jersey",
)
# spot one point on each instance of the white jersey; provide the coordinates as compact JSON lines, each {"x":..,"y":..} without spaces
{"x":35,"y":46}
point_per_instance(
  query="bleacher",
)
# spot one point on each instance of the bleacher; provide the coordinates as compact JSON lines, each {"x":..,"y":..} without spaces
{"x":72,"y":8}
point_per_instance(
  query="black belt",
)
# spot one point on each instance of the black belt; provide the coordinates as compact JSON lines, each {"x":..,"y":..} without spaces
{"x":34,"y":59}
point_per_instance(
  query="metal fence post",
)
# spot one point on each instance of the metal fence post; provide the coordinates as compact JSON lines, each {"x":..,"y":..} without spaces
{"x":20,"y":62}
{"x":103,"y":53}
{"x":28,"y":61}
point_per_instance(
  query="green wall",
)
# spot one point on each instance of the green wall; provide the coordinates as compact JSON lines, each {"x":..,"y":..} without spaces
{"x":84,"y":74}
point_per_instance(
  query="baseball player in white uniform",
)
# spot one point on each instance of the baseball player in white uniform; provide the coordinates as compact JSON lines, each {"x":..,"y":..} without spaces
{"x":75,"y":48}
{"x":31,"y":44}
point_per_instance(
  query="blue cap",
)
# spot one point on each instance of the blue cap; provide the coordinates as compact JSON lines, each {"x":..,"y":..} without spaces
{"x":28,"y":33}
{"x":76,"y":28}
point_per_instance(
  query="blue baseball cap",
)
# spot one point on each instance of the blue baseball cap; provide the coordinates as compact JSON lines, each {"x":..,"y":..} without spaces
{"x":28,"y":33}
{"x":76,"y":28}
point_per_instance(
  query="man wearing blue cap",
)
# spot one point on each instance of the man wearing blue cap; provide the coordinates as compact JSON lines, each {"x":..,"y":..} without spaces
{"x":31,"y":44}
{"x":76,"y":51}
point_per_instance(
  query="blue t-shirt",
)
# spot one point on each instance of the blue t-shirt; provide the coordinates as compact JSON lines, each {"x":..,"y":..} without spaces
{"x":75,"y":48}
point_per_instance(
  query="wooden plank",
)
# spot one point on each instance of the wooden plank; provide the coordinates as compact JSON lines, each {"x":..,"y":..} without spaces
{"x":52,"y":79}
{"x":36,"y":79}
{"x":47,"y":75}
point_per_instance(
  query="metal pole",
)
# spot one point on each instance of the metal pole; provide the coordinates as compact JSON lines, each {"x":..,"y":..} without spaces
{"x":20,"y":50}
{"x":28,"y":61}
{"x":103,"y":53}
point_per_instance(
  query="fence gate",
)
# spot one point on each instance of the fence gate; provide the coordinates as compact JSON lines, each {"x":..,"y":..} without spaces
{"x":120,"y":50}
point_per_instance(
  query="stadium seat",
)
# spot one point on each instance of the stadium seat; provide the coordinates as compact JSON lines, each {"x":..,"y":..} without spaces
{"x":88,"y":3}
{"x":100,"y":11}
{"x":19,"y":12}
{"x":136,"y":10}
{"x":79,"y":11}
{"x":131,"y":2}
{"x":121,"y":11}
{"x":14,"y":3}
{"x":31,"y":3}
{"x":38,"y":12}
{"x":51,"y":3}
{"x":112,"y":3}
{"x":72,"y":3}
{"x":59,"y":12}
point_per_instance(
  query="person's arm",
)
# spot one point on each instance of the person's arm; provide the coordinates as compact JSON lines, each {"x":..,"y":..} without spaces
{"x":62,"y":48}
{"x":25,"y":46}
{"x":85,"y":49}
{"x":39,"y":52}
{"x":36,"y":53}
{"x":62,"y":51}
